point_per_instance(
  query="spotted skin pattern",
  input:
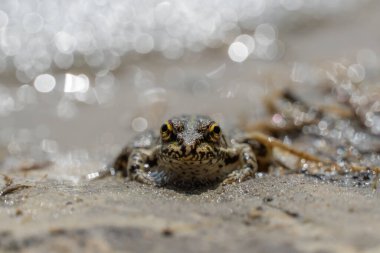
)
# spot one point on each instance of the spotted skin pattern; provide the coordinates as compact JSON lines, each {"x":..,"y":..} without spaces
{"x":190,"y":150}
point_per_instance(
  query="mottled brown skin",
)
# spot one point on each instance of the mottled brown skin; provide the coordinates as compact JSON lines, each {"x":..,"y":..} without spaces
{"x":191,"y":149}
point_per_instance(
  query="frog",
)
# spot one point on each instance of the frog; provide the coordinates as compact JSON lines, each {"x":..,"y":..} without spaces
{"x":190,"y":149}
{"x":194,"y":150}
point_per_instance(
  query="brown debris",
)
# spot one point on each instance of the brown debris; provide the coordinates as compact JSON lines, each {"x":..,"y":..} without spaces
{"x":8,"y":180}
{"x":34,"y":166}
{"x":12,"y":188}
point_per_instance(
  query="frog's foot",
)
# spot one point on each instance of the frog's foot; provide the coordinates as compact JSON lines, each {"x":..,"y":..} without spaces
{"x":238,"y":176}
{"x":142,"y":177}
{"x":136,"y":167}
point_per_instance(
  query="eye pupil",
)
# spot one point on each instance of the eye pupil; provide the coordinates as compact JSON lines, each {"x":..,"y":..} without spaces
{"x":164,"y":128}
{"x":216,"y":129}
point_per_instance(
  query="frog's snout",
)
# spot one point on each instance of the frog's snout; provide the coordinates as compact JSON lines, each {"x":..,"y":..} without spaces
{"x":188,"y":148}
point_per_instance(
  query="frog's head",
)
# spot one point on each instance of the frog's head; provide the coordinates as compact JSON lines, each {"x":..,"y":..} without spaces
{"x":191,"y":140}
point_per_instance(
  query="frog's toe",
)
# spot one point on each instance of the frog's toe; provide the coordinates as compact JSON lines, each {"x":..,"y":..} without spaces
{"x":230,"y":180}
{"x":143,"y":178}
{"x":238,"y":176}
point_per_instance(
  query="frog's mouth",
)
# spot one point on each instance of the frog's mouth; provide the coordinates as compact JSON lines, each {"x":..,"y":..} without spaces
{"x":202,"y":153}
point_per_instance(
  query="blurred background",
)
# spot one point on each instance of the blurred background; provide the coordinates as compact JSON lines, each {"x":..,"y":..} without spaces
{"x":79,"y":78}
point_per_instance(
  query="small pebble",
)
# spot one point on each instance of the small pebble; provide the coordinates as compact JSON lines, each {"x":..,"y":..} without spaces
{"x":167,"y":232}
{"x":255,"y":213}
{"x":268,"y":199}
{"x":18,"y":212}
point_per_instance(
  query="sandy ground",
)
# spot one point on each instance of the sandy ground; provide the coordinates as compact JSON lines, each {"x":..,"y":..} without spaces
{"x":292,"y":213}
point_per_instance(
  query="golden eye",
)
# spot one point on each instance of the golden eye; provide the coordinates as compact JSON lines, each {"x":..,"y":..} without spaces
{"x":166,"y":131}
{"x":214,"y":131}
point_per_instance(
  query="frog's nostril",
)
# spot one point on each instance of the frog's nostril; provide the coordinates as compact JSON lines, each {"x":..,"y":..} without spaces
{"x":183,"y":149}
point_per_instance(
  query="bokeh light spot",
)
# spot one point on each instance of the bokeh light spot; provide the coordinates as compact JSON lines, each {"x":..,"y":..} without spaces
{"x":74,"y":83}
{"x":238,"y":51}
{"x":64,"y":42}
{"x":44,"y":83}
{"x":139,"y":124}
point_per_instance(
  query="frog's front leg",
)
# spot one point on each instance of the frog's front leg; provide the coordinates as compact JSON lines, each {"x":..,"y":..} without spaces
{"x":131,"y":162}
{"x":137,"y":160}
{"x":247,"y":161}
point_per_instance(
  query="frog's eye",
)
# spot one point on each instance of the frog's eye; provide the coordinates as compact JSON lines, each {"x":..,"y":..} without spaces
{"x":166,"y":131}
{"x":214,"y":131}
